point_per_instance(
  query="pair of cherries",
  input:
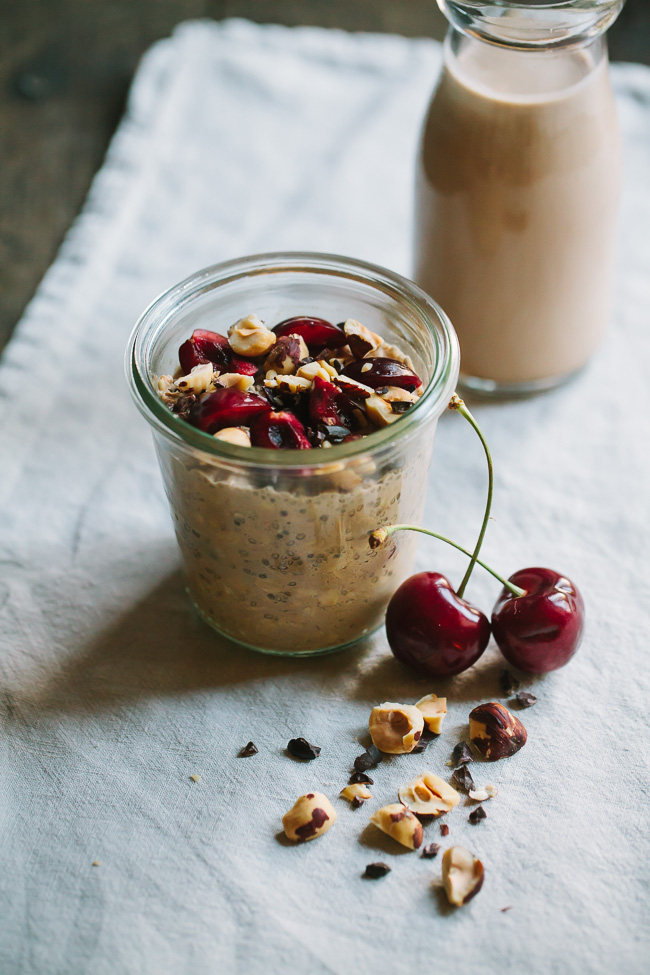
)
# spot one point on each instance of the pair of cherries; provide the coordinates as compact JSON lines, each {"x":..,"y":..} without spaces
{"x":537,"y":621}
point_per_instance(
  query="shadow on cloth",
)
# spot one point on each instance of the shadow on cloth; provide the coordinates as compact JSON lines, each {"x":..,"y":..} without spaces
{"x":161,"y":647}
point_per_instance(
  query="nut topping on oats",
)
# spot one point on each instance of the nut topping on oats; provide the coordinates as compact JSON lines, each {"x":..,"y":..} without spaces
{"x":324,"y":383}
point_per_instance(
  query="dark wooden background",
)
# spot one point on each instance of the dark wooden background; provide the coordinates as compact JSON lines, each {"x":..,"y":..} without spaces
{"x":65,"y":68}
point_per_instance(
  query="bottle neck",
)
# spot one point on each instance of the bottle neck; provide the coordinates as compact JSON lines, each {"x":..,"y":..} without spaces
{"x":531,"y":25}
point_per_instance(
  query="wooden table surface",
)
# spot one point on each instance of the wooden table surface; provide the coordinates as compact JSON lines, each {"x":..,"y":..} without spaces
{"x":64,"y":73}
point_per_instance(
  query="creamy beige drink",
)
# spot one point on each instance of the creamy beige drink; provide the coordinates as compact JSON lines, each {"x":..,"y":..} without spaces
{"x":517,"y":192}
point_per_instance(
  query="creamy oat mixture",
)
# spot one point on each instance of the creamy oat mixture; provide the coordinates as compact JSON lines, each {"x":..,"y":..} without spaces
{"x":280,"y":561}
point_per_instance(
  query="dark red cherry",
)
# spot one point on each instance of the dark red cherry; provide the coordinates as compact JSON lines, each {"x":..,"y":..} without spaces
{"x":245,"y":367}
{"x":279,"y":431}
{"x":432,"y":629}
{"x":541,"y":630}
{"x":204,"y":346}
{"x":380,"y":371}
{"x":316,"y":332}
{"x":226,"y":408}
{"x":328,"y":405}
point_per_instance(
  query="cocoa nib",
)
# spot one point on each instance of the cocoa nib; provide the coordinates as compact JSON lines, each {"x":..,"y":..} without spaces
{"x":376,"y":870}
{"x":431,"y":850}
{"x":525,"y":699}
{"x":301,"y":748}
{"x":444,"y":829}
{"x":462,"y":754}
{"x":477,"y":815}
{"x":463,"y":777}
{"x":248,"y":750}
{"x":357,"y":802}
{"x":318,"y":817}
{"x":508,"y":682}
{"x":369,"y":759}
{"x":426,"y":738}
{"x":362,"y":778}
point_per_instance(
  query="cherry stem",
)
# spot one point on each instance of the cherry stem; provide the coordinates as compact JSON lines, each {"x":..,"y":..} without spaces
{"x":457,"y":404}
{"x":379,"y":536}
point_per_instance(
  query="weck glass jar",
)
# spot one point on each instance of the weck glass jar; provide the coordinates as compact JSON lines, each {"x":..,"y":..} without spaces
{"x":275,"y":542}
{"x":517,"y":189}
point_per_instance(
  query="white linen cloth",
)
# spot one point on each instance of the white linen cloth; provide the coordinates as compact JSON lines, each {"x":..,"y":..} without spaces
{"x":238,"y":139}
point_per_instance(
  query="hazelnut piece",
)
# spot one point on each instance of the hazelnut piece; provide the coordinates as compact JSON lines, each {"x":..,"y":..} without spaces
{"x":198,"y":380}
{"x":495,"y":732}
{"x":312,"y":369}
{"x":360,"y":339}
{"x":233,"y":435}
{"x":462,"y":875}
{"x":433,"y":709}
{"x":428,"y":795}
{"x":355,"y":791}
{"x":399,"y":823}
{"x":250,"y":337}
{"x":396,"y":728}
{"x":235,"y":380}
{"x":310,"y":816}
{"x":287,"y":354}
{"x":380,"y":411}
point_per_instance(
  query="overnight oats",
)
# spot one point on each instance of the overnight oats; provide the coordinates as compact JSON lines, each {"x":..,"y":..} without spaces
{"x":293,"y":400}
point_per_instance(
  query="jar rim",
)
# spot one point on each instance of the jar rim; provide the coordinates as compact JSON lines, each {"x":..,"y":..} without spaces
{"x":153,"y":320}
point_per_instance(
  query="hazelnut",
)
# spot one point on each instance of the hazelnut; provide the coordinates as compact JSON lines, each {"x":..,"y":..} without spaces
{"x":355,"y":791}
{"x":462,"y":875}
{"x":313,"y":369}
{"x":198,"y":380}
{"x":480,"y":795}
{"x":287,"y":354}
{"x":380,"y":411}
{"x":360,"y":339}
{"x":399,"y":823}
{"x":235,"y":380}
{"x":495,"y":732}
{"x":433,"y":710}
{"x":309,"y":817}
{"x":428,"y":795}
{"x":289,"y":384}
{"x":396,"y":728}
{"x":250,"y":337}
{"x":394,"y":394}
{"x":233,"y":435}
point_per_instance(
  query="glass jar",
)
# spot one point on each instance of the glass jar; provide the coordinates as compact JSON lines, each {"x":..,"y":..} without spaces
{"x":517,"y":189}
{"x":275,"y":542}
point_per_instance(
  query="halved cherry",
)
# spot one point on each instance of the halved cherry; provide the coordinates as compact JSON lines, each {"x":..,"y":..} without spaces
{"x":204,"y":346}
{"x":316,"y":332}
{"x":245,"y":367}
{"x":381,"y":371}
{"x":227,"y":408}
{"x":279,"y":431}
{"x":328,"y":405}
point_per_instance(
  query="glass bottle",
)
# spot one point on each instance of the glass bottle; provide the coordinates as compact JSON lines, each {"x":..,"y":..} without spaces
{"x":517,"y":189}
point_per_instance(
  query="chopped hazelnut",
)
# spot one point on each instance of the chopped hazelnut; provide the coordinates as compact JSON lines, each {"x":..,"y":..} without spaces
{"x":480,"y":795}
{"x":234,"y":435}
{"x":198,"y":380}
{"x":355,"y":791}
{"x":396,"y":728}
{"x":399,"y":823}
{"x":250,"y":337}
{"x":394,"y":394}
{"x":428,"y":795}
{"x":313,"y":369}
{"x":287,"y":354}
{"x":235,"y":380}
{"x":360,"y":339}
{"x":495,"y":732}
{"x":462,"y":875}
{"x":288,"y":384}
{"x":309,"y":817}
{"x":433,"y":709}
{"x":379,"y":411}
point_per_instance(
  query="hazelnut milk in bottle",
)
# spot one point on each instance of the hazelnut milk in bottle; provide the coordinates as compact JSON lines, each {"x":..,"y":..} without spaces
{"x":517,"y":189}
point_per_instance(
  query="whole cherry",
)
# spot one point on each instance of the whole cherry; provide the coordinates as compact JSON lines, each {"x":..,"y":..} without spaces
{"x":540,"y":630}
{"x":433,"y":629}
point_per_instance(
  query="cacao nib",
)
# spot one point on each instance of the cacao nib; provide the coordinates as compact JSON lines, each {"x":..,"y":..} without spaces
{"x":508,"y":682}
{"x":462,"y":754}
{"x":248,"y":750}
{"x":430,"y":850}
{"x":362,"y":778}
{"x":477,"y":815}
{"x":376,"y":870}
{"x":463,"y":777}
{"x":525,"y":699}
{"x":369,"y":759}
{"x":301,"y":748}
{"x":357,"y":802}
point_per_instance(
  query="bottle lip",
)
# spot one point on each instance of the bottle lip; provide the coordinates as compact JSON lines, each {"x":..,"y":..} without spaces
{"x":151,"y":325}
{"x":532,"y":26}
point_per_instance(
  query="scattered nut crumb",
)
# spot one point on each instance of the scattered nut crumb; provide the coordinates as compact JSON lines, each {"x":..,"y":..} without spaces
{"x":355,"y":791}
{"x":195,"y":778}
{"x":525,"y":699}
{"x":477,"y":815}
{"x":430,"y":850}
{"x":376,"y":870}
{"x":248,"y":750}
{"x":96,"y":863}
{"x":444,"y":829}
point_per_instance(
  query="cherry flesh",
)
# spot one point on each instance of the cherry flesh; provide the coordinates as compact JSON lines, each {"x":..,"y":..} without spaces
{"x":279,"y":431}
{"x":243,"y":366}
{"x":541,"y":630}
{"x":227,"y":408}
{"x":432,"y":629}
{"x":204,"y":346}
{"x":328,"y":405}
{"x":380,"y":371}
{"x":315,"y":332}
